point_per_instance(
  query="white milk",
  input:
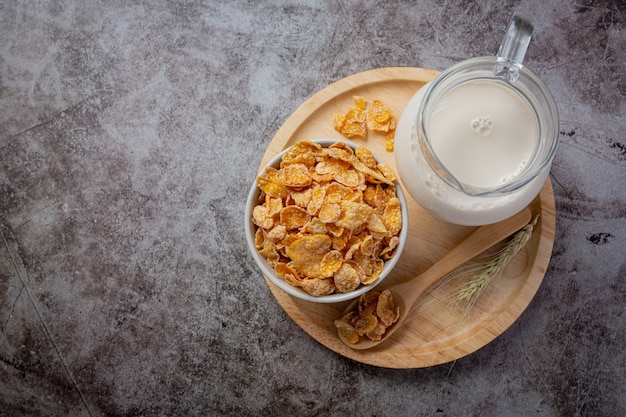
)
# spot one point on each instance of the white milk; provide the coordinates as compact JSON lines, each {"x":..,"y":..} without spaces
{"x":484,"y":135}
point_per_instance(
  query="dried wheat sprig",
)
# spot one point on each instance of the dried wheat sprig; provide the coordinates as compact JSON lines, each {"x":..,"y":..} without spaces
{"x":483,"y":274}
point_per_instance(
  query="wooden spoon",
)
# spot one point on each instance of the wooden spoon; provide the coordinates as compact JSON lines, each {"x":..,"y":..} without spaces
{"x":406,"y":294}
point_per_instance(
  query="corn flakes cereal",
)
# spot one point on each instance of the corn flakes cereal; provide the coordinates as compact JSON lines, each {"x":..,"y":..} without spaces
{"x":366,"y":157}
{"x":375,"y":267}
{"x":379,"y":117}
{"x":318,"y":287}
{"x":386,"y":171}
{"x":293,"y":217}
{"x":270,"y":252}
{"x":274,"y":206}
{"x":340,"y":242}
{"x":336,"y":192}
{"x":317,"y":199}
{"x":334,"y":229}
{"x":345,"y":327}
{"x":284,"y":269}
{"x":367,"y":245}
{"x":390,"y":140}
{"x":315,"y":227}
{"x":346,"y":278}
{"x":259,"y":238}
{"x":386,"y":310}
{"x":353,"y":215}
{"x":329,"y":212}
{"x":375,"y":176}
{"x":298,"y":149}
{"x":359,"y":120}
{"x":365,"y":323}
{"x":353,"y":123}
{"x":331,"y":262}
{"x":392,"y":216}
{"x":327,"y":219}
{"x":342,"y":153}
{"x":309,"y":248}
{"x":377,"y":332}
{"x":277,"y":233}
{"x":375,"y":313}
{"x":296,"y":175}
{"x":272,"y":184}
{"x":261,"y":218}
{"x":302,"y":198}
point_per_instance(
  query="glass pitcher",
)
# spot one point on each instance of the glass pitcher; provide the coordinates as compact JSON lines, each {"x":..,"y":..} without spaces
{"x":474,"y":146}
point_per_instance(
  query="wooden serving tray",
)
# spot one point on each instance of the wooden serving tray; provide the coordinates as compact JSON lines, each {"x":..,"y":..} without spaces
{"x":438,"y":330}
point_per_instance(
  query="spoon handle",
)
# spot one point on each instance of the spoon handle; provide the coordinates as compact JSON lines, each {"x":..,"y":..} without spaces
{"x":477,"y":242}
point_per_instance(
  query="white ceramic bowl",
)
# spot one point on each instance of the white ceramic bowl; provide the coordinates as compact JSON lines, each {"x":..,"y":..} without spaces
{"x":279,"y":281}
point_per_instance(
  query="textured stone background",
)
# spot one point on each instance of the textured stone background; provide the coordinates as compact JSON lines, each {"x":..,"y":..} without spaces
{"x":129,"y":134}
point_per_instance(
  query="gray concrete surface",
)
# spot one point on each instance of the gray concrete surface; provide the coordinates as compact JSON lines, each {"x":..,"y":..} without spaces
{"x":129,"y":134}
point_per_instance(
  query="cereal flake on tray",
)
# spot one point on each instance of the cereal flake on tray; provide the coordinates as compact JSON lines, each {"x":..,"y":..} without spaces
{"x":358,"y":120}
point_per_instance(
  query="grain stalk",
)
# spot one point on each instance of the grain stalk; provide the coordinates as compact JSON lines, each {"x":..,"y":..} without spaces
{"x":483,"y":274}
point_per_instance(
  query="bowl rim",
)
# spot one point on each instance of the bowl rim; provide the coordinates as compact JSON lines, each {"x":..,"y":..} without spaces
{"x":270,"y":273}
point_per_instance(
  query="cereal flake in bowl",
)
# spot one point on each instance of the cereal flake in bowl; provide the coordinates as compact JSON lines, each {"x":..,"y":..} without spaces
{"x":326,"y":220}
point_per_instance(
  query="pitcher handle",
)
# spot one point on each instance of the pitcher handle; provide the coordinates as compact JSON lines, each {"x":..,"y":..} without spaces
{"x":513,"y":47}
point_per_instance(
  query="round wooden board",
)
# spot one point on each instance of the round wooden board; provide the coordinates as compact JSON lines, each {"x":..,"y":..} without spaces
{"x":437,"y":331}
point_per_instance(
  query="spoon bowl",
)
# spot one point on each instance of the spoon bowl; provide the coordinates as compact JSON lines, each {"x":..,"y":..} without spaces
{"x":406,"y":294}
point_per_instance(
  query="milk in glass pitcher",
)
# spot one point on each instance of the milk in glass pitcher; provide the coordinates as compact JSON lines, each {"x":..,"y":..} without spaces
{"x":474,"y":146}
